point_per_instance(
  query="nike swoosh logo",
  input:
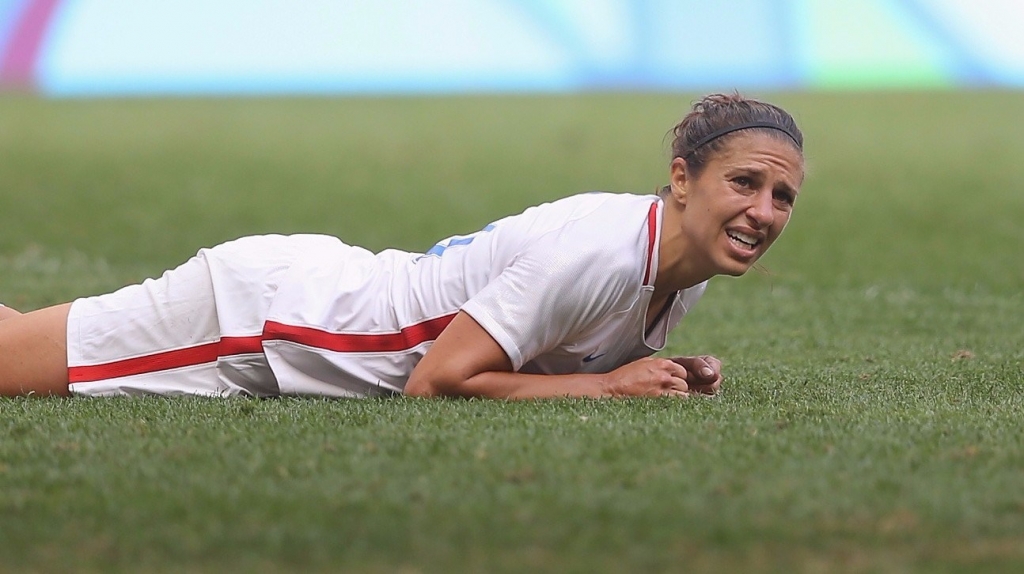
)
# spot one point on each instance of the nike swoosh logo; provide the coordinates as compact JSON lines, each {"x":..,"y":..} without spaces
{"x":592,"y":357}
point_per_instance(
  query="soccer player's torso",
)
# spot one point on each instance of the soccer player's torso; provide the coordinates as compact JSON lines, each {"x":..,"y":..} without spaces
{"x":563,"y":287}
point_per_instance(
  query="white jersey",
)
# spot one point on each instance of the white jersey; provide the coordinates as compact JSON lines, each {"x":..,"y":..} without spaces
{"x":563,"y":288}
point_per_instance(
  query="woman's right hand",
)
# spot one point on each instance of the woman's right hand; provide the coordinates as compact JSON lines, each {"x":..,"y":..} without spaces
{"x":658,"y":377}
{"x":648,"y":377}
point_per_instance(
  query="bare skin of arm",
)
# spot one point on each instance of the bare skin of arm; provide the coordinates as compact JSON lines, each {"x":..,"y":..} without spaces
{"x":33,"y":352}
{"x":465,"y":361}
{"x":7,"y":313}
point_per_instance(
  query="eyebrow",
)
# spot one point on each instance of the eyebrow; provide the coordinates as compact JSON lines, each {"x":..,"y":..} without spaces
{"x":783,"y":186}
{"x":759,"y":172}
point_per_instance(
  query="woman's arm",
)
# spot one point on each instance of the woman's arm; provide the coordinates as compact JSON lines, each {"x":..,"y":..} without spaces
{"x":466,"y":361}
{"x":7,"y":312}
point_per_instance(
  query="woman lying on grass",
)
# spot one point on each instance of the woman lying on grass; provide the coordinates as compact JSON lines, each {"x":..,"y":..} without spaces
{"x":567,"y":299}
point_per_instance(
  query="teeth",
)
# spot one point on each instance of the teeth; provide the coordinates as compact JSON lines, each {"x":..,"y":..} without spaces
{"x":743,"y":238}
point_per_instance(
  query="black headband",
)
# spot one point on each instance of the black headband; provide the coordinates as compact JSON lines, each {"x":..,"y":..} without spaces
{"x":728,"y":130}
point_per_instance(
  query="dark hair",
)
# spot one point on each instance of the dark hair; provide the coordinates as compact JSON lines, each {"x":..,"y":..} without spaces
{"x":694,"y":138}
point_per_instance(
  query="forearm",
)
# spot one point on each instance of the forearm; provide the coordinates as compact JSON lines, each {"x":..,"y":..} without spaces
{"x":508,"y":385}
{"x":466,"y":361}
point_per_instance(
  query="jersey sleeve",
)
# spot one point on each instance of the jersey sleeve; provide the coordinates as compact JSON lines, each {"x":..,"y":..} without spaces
{"x":548,"y":294}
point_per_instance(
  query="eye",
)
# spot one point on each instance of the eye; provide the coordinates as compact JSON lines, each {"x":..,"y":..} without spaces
{"x":743,"y":181}
{"x":783,"y":197}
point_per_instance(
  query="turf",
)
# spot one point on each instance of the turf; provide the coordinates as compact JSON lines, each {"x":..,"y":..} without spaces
{"x":871,"y":420}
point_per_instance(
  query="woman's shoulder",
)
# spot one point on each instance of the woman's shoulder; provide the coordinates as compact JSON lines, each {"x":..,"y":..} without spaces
{"x":602,"y":213}
{"x":603,"y":233}
{"x":590,"y":202}
{"x":611,"y":220}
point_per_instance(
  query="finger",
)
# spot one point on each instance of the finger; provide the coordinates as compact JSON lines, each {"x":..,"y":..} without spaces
{"x":677,"y":369}
{"x":708,"y":368}
{"x":704,"y":367}
{"x":677,"y":387}
{"x":673,"y":384}
{"x":713,"y":362}
{"x":711,"y":389}
{"x":710,"y":386}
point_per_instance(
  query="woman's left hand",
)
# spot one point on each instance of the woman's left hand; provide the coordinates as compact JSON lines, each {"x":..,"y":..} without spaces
{"x":703,"y":373}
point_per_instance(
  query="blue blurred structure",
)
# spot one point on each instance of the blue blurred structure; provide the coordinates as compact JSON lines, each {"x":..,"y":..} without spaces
{"x":156,"y":47}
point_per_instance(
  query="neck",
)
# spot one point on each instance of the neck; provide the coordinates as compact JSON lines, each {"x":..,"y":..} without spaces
{"x":678,"y":266}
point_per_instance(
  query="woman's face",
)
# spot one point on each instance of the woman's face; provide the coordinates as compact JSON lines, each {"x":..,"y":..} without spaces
{"x":740,"y":203}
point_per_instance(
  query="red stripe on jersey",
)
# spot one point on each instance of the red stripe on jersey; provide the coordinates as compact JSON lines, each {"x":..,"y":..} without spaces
{"x":403,"y":340}
{"x":205,"y":353}
{"x":652,"y":232}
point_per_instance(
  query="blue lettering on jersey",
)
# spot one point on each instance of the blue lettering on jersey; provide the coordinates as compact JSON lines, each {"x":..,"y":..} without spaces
{"x":440,"y":248}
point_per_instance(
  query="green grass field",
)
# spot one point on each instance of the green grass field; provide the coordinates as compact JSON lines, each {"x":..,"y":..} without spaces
{"x":875,"y":373}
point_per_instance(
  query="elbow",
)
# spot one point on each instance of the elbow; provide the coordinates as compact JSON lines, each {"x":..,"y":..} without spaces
{"x":427,"y":387}
{"x":419,"y":387}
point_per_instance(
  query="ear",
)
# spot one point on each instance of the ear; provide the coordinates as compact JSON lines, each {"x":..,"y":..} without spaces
{"x":678,"y":180}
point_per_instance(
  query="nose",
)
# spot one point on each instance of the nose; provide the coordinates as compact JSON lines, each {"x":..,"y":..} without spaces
{"x":761,"y":211}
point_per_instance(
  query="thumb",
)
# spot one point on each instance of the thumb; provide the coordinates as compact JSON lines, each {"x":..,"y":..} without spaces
{"x":703,"y":368}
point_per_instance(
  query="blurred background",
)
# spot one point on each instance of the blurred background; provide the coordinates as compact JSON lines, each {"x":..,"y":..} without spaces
{"x":70,"y":48}
{"x":876,"y":365}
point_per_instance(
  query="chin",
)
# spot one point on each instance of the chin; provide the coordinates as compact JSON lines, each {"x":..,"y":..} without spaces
{"x":735,"y":268}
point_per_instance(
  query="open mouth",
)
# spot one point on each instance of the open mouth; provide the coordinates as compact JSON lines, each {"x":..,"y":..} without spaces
{"x":743,"y":240}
